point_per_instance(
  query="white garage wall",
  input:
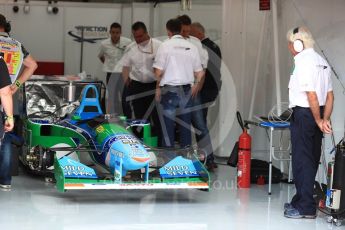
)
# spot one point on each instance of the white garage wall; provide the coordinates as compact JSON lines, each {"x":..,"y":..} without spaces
{"x":126,"y":19}
{"x":86,"y":16}
{"x":242,"y":26}
{"x":41,"y":34}
{"x":46,"y":35}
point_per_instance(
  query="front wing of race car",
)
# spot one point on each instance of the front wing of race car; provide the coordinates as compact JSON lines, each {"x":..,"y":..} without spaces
{"x":172,"y":169}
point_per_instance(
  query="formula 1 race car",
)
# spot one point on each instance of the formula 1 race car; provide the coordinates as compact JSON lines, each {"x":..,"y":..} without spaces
{"x":92,"y":150}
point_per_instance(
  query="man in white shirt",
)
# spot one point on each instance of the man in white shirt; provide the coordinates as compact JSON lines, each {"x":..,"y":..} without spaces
{"x":111,"y":51}
{"x":311,"y":98}
{"x":138,"y":75}
{"x":178,"y":71}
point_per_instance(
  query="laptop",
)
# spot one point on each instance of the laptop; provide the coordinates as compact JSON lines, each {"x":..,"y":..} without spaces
{"x":284,"y":116}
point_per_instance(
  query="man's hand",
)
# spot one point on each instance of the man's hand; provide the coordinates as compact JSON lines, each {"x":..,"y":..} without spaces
{"x":14,"y":89}
{"x":199,"y":81}
{"x":158,"y":94}
{"x":9,"y":124}
{"x":320,"y":124}
{"x":326,"y":127}
{"x":125,"y":75}
{"x":195,"y":90}
{"x":127,"y":82}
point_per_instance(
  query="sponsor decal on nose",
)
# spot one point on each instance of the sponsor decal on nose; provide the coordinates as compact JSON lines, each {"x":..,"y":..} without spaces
{"x":141,"y":159}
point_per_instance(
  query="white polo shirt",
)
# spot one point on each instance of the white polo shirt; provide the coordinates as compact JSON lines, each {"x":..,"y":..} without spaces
{"x":140,"y":59}
{"x":179,"y":60}
{"x":202,"y":51}
{"x":311,"y":73}
{"x":112,"y":54}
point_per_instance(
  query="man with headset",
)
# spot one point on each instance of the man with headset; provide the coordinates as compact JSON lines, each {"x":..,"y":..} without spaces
{"x":16,"y":57}
{"x":311,"y":99}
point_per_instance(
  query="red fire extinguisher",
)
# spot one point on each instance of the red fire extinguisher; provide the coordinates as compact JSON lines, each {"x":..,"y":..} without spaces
{"x":244,"y":157}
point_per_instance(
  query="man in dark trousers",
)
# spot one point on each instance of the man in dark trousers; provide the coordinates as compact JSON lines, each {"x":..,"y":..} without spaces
{"x":212,"y":80}
{"x":212,"y":84}
{"x":311,"y":99}
{"x":138,"y":76}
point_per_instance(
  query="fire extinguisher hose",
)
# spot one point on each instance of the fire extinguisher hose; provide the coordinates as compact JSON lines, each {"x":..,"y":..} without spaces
{"x":239,"y":119}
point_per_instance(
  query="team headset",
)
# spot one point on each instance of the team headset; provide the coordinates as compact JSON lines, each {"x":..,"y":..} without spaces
{"x":298,"y":45}
{"x":7,"y":27}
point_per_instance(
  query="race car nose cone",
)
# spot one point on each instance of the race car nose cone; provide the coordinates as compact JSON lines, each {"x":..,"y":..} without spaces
{"x":129,"y":150}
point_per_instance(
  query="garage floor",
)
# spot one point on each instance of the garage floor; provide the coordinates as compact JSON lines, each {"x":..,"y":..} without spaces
{"x":34,"y":204}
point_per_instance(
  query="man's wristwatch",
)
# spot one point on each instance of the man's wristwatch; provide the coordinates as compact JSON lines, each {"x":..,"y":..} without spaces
{"x":17,"y":83}
{"x":9,"y":118}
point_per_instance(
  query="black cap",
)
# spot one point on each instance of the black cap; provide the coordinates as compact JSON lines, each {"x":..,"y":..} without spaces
{"x":5,"y":24}
{"x":3,"y":21}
